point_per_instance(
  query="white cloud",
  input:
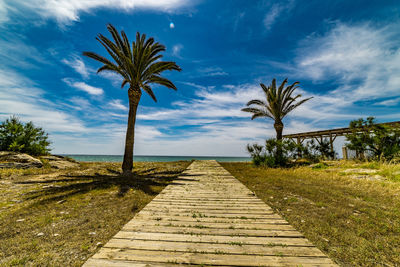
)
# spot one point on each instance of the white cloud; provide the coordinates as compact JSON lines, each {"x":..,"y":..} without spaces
{"x":65,"y":11}
{"x":176,"y":50}
{"x":209,"y":104}
{"x":15,"y":52}
{"x":80,"y":103}
{"x":201,"y":87}
{"x":78,"y":65}
{"x":272,"y":15}
{"x":231,"y":95}
{"x":84,"y":87}
{"x":3,"y":12}
{"x":156,"y":114}
{"x":363,"y":59}
{"x":113,"y":77}
{"x":116,"y":104}
{"x":19,"y":96}
{"x":212,"y":71}
{"x":389,"y":102}
{"x":275,"y":12}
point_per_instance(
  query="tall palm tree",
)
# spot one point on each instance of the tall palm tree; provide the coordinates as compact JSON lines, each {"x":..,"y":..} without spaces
{"x":140,"y":66}
{"x":279,"y":103}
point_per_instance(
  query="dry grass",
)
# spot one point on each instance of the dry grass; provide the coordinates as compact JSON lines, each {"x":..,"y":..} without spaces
{"x":355,"y":221}
{"x":387,"y":170}
{"x":16,"y":173}
{"x":62,"y":217}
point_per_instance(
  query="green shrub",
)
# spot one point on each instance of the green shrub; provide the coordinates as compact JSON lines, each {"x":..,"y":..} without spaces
{"x":257,"y":153}
{"x":373,"y":140}
{"x":320,"y":166}
{"x":280,"y":153}
{"x":275,"y":153}
{"x":25,"y":138}
{"x":319,"y":150}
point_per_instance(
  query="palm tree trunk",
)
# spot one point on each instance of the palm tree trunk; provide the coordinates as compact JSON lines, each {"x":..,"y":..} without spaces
{"x":278,"y":125}
{"x":134,"y":98}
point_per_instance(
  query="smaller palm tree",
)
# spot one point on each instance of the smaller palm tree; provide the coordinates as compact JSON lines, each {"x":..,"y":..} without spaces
{"x":279,"y":102}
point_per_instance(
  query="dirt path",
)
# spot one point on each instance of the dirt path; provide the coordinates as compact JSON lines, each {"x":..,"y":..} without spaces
{"x":207,"y":217}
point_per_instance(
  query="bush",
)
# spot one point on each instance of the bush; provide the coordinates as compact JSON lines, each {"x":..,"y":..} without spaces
{"x":320,"y":166}
{"x":275,"y":153}
{"x":378,"y":141}
{"x":321,"y":150}
{"x":281,"y":153}
{"x":25,"y":138}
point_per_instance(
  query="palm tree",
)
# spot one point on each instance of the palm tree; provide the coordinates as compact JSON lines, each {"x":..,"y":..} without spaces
{"x":140,"y":66}
{"x":279,"y":103}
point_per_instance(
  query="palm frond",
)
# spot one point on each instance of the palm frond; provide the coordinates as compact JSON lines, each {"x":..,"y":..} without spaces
{"x":97,"y":57}
{"x":161,"y":81}
{"x":258,"y":115}
{"x":124,"y":82}
{"x":149,"y":91}
{"x":279,"y":101}
{"x":159,"y":67}
{"x":256,"y":102}
{"x":137,"y":62}
{"x":117,"y":39}
{"x":292,"y":107}
{"x":280,"y":89}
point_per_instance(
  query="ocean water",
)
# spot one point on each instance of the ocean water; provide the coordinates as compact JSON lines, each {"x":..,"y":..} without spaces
{"x":118,"y":158}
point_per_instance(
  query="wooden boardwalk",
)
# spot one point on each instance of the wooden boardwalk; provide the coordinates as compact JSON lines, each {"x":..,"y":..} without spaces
{"x":207,"y":217}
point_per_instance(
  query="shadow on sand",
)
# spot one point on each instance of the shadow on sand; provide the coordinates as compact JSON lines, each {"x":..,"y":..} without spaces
{"x":148,"y":181}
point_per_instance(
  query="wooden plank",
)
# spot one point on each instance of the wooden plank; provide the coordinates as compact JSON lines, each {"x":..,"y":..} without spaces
{"x":232,"y":248}
{"x":219,"y":215}
{"x":214,"y":203}
{"x":214,"y":197}
{"x":204,"y":202}
{"x":121,"y":263}
{"x":212,"y":231}
{"x":206,"y":211}
{"x":250,"y":207}
{"x":272,"y":219}
{"x":223,"y":225}
{"x":214,"y":259}
{"x":210,"y":207}
{"x":287,"y":241}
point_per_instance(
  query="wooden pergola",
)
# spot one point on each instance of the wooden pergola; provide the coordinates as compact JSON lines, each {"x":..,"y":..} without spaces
{"x":329,"y":134}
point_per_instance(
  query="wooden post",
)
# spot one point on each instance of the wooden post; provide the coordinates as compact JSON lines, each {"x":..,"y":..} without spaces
{"x":344,"y":151}
{"x":331,"y":143}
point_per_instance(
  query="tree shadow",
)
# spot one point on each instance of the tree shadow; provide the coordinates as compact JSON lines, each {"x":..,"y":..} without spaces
{"x":148,"y":181}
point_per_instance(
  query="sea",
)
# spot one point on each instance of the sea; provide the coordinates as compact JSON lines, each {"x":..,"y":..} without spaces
{"x":119,"y":158}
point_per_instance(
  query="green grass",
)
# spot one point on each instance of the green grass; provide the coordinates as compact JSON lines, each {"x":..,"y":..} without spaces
{"x":390,"y":171}
{"x":66,"y":216}
{"x":320,"y":165}
{"x":355,"y":221}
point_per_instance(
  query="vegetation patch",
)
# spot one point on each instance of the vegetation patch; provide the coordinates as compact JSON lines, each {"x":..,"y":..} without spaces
{"x":61,"y":218}
{"x":319,"y":166}
{"x":355,"y":221}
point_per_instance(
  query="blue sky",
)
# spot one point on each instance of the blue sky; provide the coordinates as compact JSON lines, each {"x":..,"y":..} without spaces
{"x":346,"y":54}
